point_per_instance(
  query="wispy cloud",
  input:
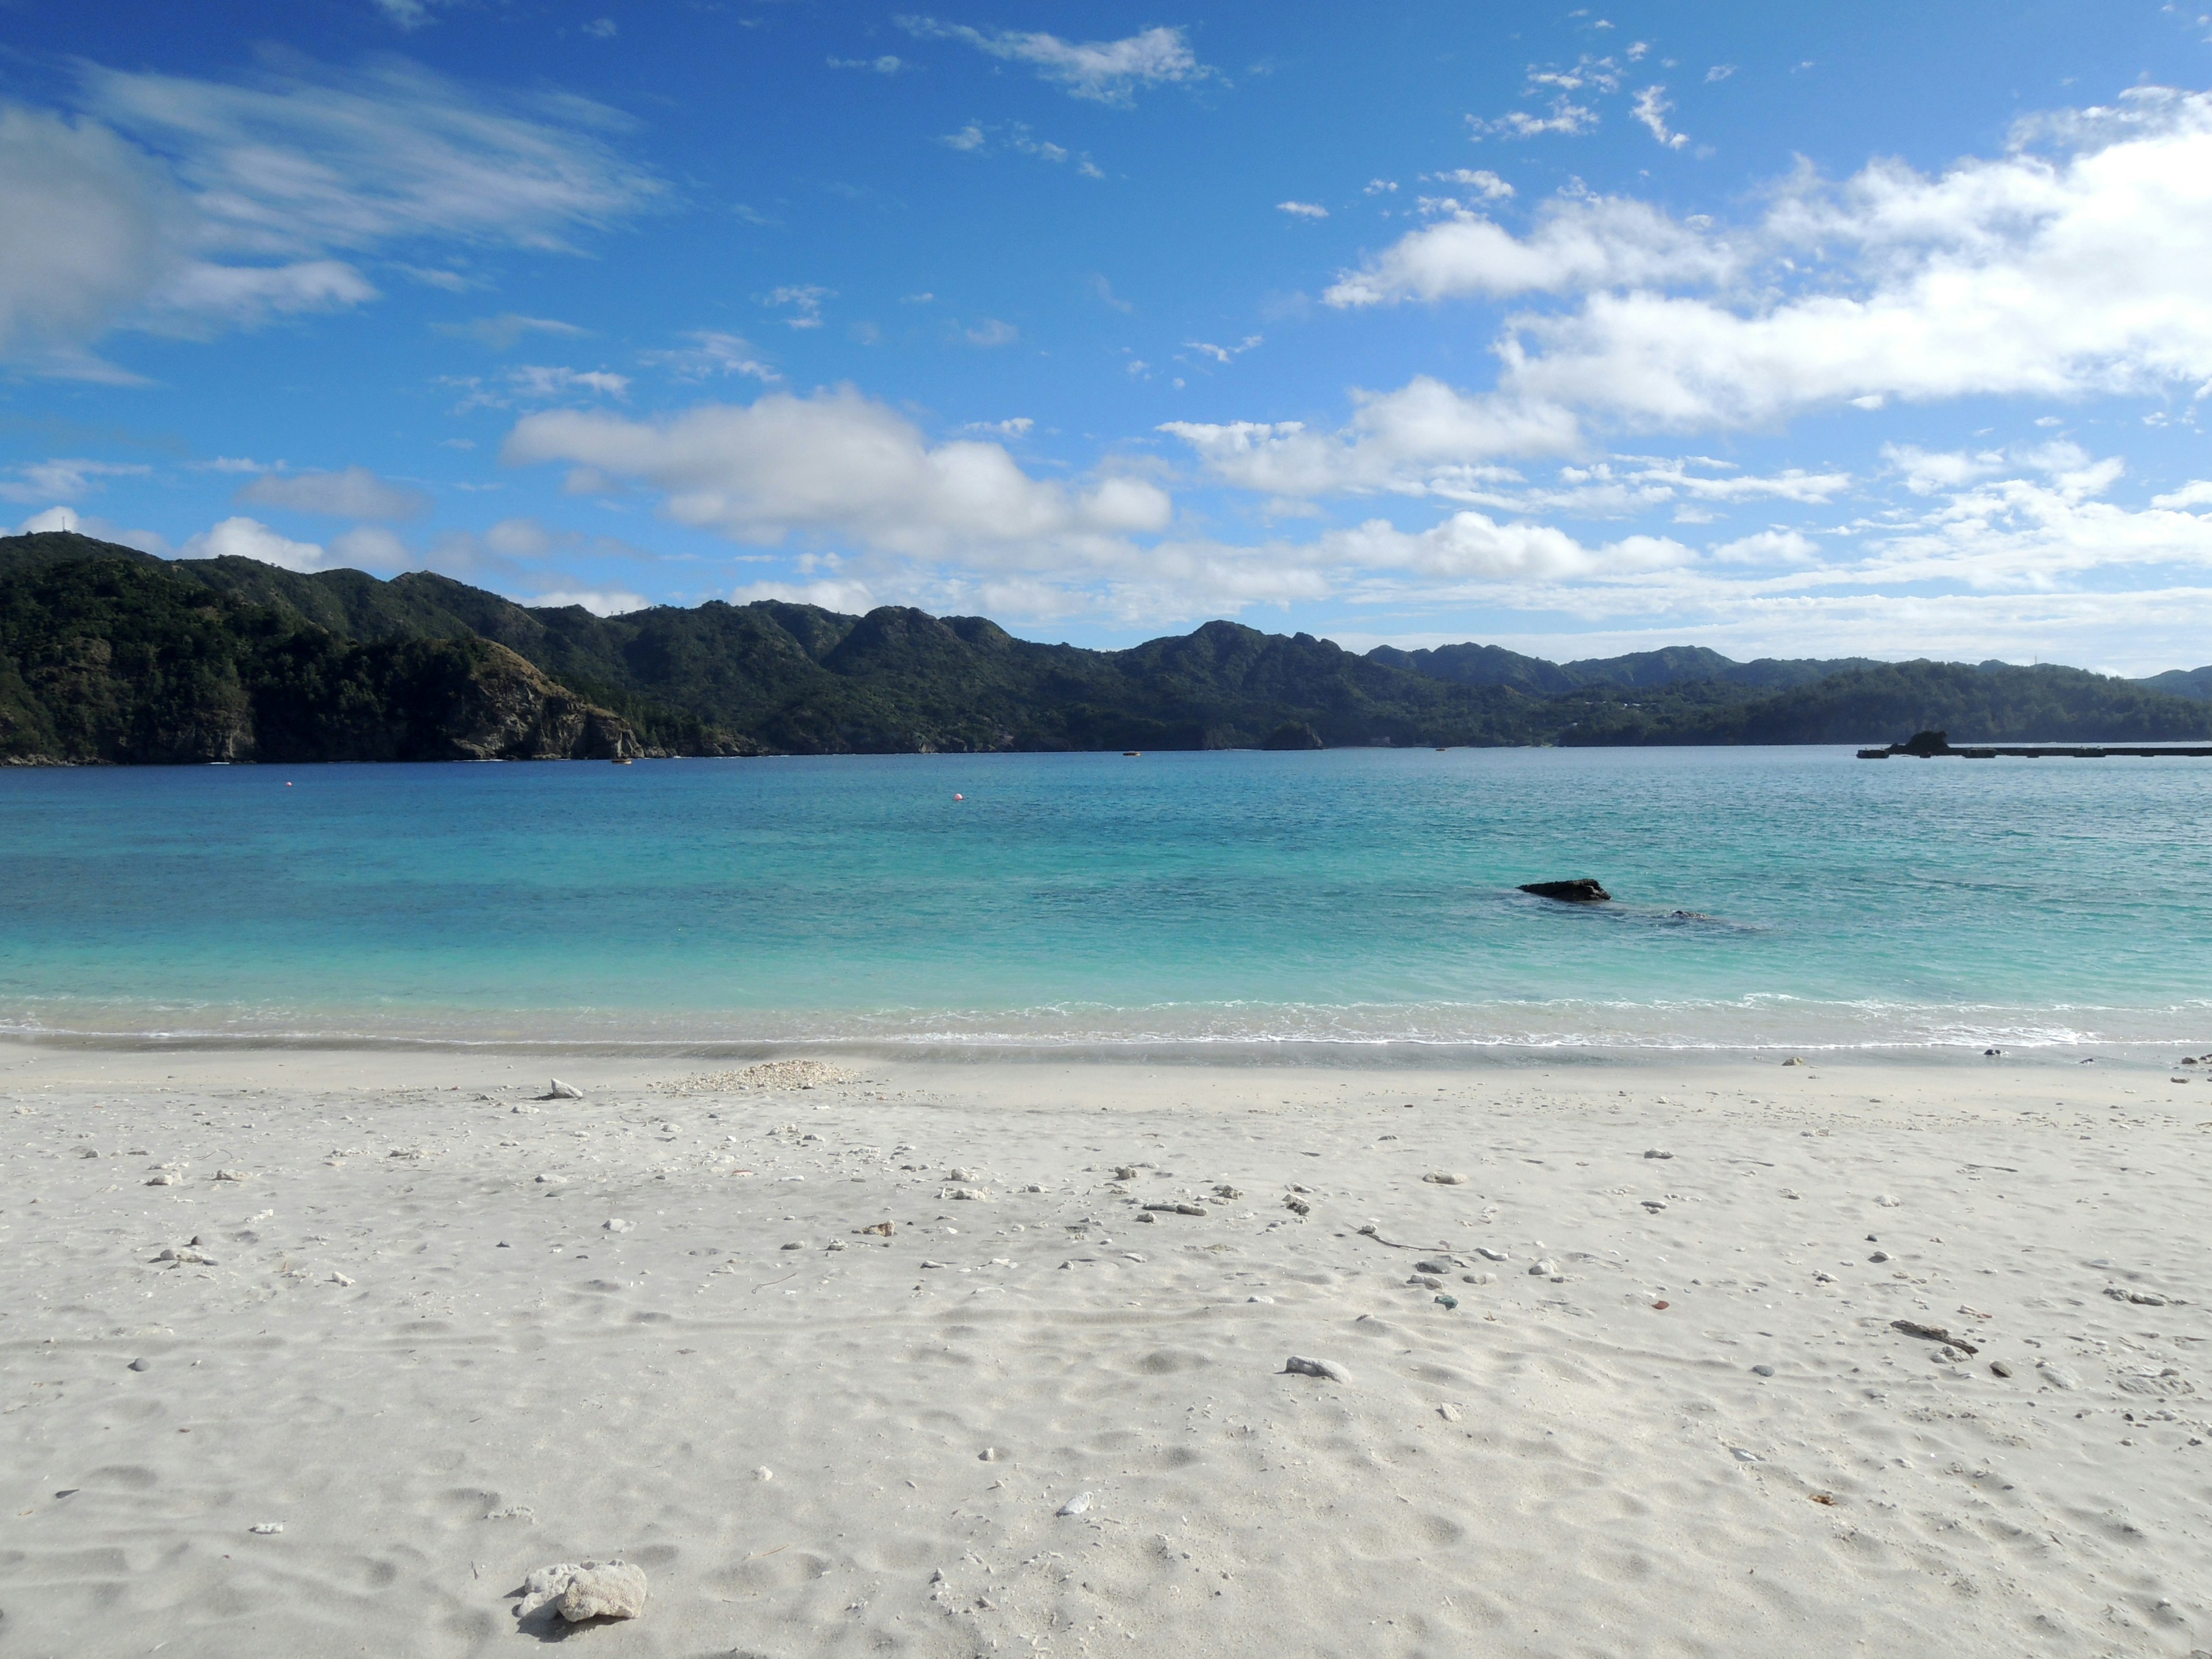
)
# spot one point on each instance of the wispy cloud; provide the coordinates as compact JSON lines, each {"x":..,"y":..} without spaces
{"x":1108,"y":71}
{"x":188,"y":205}
{"x":706,"y":353}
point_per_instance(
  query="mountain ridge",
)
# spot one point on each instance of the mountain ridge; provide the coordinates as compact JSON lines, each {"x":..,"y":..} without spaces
{"x":779,"y":678}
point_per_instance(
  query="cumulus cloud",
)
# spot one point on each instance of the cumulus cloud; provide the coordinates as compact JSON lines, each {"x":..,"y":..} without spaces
{"x":1652,"y":109}
{"x":1566,"y":118}
{"x":837,"y":464}
{"x":1481,"y":180}
{"x":355,"y":493}
{"x":2071,"y":266}
{"x":250,"y":538}
{"x":1302,"y":209}
{"x":600,"y":601}
{"x":1472,"y":545}
{"x":1410,"y":440}
{"x":183,"y":205}
{"x":1577,"y":243}
{"x":1108,"y":71}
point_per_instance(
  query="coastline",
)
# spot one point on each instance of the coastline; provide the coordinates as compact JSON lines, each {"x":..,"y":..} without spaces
{"x":438,"y":1370}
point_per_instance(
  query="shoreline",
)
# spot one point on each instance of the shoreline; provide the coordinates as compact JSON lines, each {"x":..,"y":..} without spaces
{"x":618,"y":1058}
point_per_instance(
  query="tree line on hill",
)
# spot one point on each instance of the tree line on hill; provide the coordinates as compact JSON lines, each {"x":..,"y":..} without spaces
{"x":108,"y":655}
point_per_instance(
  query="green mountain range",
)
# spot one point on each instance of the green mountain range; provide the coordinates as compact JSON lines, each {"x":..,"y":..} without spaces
{"x":111,"y":655}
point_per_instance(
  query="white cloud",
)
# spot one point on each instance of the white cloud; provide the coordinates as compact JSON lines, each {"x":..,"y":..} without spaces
{"x":100,"y":529}
{"x":249,"y":538}
{"x":1652,"y":109}
{"x":1479,"y":180}
{"x":355,"y":493}
{"x":1925,"y":471}
{"x":302,"y":158}
{"x":108,"y":223}
{"x":182,"y":205}
{"x":2197,"y":493}
{"x":600,"y":602}
{"x":885,"y":64}
{"x":1567,"y":118}
{"x":991,"y":332}
{"x":1223,"y":353}
{"x":1470,"y":546}
{"x":534,"y":383}
{"x":601,"y":28}
{"x":1719,"y":72}
{"x":803,"y":300}
{"x":368,"y":547}
{"x":408,"y":13}
{"x":1302,"y":209}
{"x":1578,"y":242}
{"x":1380,"y":186}
{"x":2066,"y":274}
{"x":70,"y":480}
{"x":968,"y":137}
{"x":2047,"y":276}
{"x":710,"y":352}
{"x":1108,"y":72}
{"x":503,"y":331}
{"x":1015,"y":427}
{"x":1409,"y":440}
{"x":836,"y":465}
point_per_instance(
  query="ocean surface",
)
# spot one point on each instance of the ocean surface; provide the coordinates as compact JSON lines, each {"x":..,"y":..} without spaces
{"x":1765,"y":898}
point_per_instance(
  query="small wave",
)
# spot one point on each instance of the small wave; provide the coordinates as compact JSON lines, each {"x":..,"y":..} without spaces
{"x":1751,"y":1024}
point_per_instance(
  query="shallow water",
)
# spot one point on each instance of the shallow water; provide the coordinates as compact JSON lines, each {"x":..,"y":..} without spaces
{"x":1354,"y":895}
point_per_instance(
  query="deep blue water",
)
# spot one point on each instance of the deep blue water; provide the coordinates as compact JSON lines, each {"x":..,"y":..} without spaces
{"x":1349,"y":895}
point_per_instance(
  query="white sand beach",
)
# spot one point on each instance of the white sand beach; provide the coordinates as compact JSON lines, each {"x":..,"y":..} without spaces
{"x":445,"y":1332}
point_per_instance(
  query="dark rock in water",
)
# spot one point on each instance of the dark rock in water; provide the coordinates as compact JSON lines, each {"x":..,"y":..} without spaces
{"x":1924,"y":743}
{"x":1295,"y":734}
{"x":1581,"y":890}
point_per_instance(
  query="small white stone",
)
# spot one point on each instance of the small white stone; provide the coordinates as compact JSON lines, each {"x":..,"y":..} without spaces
{"x":763,"y":1473}
{"x":1542,"y":1269}
{"x":1490,"y":1254}
{"x":1077,"y":1504}
{"x":617,"y":1225}
{"x":1445,"y":1178}
{"x":561,"y":1091}
{"x":1328,"y":1370}
{"x":340,"y":1279}
{"x":266,"y":1527}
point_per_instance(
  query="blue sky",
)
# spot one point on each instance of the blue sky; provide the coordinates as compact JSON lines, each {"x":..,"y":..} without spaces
{"x":1875,"y":329}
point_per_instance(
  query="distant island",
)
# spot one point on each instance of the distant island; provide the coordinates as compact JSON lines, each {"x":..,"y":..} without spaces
{"x":111,"y":656}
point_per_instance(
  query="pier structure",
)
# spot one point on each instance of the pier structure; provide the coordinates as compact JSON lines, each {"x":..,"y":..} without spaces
{"x":1929,"y":745}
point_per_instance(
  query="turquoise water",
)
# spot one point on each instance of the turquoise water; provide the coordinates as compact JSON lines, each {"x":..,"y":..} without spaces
{"x":1357,"y":896}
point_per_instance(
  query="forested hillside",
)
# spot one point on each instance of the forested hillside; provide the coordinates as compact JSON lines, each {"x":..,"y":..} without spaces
{"x":107,"y":655}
